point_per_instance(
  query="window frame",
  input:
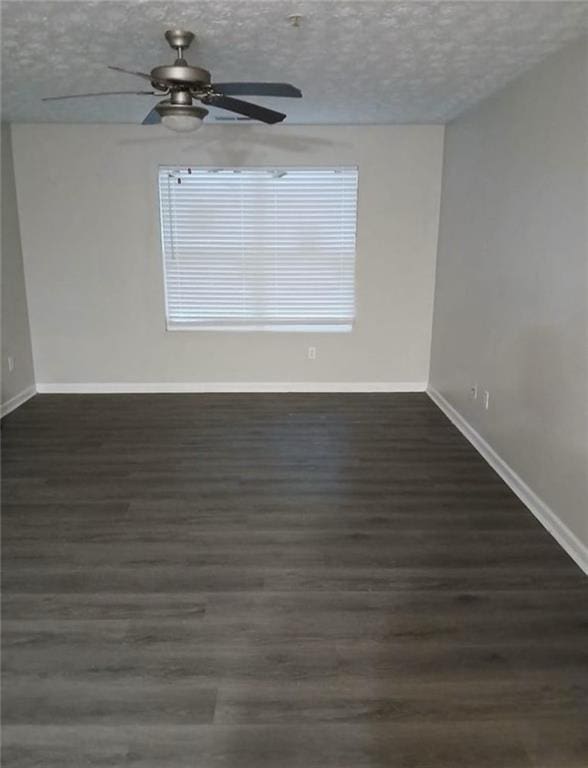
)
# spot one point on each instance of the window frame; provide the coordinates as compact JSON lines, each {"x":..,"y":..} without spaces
{"x":287,"y":327}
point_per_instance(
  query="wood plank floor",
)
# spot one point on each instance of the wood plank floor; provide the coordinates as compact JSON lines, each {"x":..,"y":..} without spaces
{"x":278,"y":581}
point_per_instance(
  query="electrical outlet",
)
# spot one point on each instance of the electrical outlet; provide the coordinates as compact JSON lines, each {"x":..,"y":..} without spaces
{"x":10,"y":363}
{"x":312,"y":353}
{"x":486,"y":399}
{"x":474,"y":392}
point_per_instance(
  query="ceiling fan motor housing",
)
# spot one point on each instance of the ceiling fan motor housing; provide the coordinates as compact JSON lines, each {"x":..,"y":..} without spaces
{"x":181,"y":74}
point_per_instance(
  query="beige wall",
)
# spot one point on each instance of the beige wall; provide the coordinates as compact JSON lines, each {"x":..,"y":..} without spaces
{"x":16,"y":340}
{"x":512,"y":281}
{"x":88,"y":207}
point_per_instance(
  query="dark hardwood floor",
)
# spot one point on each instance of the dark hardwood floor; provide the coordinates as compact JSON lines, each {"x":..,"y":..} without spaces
{"x":278,"y":581}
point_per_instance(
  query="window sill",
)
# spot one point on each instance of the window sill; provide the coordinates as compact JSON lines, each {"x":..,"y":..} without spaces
{"x":263,"y":328}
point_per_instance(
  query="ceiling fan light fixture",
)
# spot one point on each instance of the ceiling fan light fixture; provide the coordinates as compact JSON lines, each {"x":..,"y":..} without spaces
{"x":181,"y":118}
{"x":182,"y":123}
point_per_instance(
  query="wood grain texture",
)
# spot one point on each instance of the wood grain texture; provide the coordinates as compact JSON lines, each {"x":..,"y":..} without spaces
{"x":254,"y":581}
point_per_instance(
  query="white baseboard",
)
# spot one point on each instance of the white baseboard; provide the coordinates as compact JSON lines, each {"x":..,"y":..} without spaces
{"x":566,"y":538}
{"x":268,"y":386}
{"x":14,"y":402}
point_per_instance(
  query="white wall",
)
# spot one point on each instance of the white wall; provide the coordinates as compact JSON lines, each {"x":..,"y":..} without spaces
{"x":512,"y":281}
{"x":16,"y":341}
{"x":88,"y":207}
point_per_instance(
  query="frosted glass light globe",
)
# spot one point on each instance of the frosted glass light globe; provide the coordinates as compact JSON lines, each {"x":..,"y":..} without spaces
{"x":182,"y":123}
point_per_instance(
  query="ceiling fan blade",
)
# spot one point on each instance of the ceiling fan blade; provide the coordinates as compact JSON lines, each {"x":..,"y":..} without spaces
{"x":144,"y":75}
{"x":258,"y":89}
{"x":262,"y":114}
{"x":102,"y":93}
{"x":152,"y":118}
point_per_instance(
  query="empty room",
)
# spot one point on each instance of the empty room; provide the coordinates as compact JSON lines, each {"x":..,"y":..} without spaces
{"x":294,"y":384}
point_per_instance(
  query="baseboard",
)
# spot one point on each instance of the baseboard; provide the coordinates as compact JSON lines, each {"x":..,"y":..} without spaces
{"x":14,"y":402}
{"x":566,"y":538}
{"x":268,"y":386}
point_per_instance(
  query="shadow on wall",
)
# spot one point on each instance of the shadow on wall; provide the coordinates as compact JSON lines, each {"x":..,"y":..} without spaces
{"x":236,"y":148}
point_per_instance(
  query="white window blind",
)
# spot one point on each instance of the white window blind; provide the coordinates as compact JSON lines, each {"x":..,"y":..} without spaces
{"x":268,"y":249}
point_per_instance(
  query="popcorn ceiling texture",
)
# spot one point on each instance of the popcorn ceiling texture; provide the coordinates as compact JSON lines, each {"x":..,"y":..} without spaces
{"x":356,"y":62}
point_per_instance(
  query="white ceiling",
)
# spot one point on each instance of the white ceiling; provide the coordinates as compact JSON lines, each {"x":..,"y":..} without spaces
{"x":357,"y":61}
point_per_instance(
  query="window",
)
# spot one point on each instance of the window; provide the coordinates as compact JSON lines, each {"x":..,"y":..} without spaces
{"x":259,"y":248}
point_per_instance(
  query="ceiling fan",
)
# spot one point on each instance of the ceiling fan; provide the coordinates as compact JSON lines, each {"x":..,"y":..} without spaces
{"x":183,"y":84}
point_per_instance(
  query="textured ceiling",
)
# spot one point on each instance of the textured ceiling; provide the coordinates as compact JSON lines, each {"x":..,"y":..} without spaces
{"x":359,"y":61}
